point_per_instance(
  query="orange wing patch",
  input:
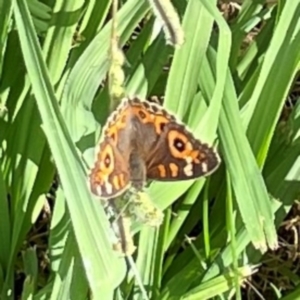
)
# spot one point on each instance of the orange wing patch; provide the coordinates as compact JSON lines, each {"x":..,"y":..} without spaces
{"x":118,"y":122}
{"x":162,"y":171}
{"x":174,"y":169}
{"x":155,"y":118}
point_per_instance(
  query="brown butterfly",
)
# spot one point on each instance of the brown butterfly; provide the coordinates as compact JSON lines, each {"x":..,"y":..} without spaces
{"x":141,"y":141}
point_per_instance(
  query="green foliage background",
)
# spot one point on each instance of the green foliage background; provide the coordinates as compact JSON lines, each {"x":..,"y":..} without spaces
{"x":52,"y":106}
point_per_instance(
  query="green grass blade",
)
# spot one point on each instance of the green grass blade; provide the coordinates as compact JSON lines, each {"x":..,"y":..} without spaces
{"x":61,"y":36}
{"x":218,"y":285}
{"x":88,"y":220}
{"x":62,"y":287}
{"x":5,"y":20}
{"x":91,"y":68}
{"x":182,"y":87}
{"x":279,"y":67}
{"x":247,"y":182}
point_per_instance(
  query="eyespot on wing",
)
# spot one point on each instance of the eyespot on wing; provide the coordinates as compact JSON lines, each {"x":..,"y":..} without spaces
{"x":109,"y":176}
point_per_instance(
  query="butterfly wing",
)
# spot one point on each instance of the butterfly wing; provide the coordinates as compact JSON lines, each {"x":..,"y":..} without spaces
{"x":110,"y":175}
{"x":141,"y":137}
{"x":169,"y":150}
{"x":178,"y":155}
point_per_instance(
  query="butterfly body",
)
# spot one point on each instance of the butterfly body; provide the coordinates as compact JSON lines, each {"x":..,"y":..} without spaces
{"x":141,"y":140}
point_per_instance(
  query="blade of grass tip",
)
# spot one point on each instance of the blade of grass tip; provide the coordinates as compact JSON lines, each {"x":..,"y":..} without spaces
{"x":104,"y":270}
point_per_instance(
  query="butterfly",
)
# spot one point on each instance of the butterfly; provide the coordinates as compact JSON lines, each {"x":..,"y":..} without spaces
{"x":142,"y":140}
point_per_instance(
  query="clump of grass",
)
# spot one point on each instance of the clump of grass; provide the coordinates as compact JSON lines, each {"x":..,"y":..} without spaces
{"x":54,"y":100}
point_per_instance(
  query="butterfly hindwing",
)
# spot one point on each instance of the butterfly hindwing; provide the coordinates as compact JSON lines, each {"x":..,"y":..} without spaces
{"x":110,"y":175}
{"x":178,"y":155}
